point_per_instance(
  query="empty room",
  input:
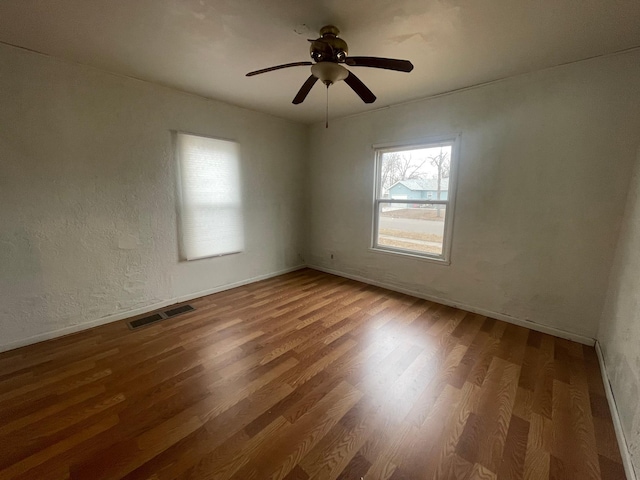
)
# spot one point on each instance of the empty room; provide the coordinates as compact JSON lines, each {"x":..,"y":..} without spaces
{"x":320,"y":240}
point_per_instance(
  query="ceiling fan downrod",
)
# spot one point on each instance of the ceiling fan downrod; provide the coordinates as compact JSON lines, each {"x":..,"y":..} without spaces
{"x":326,"y":122}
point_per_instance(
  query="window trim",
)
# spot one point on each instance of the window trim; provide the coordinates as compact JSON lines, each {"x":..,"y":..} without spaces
{"x":430,"y":142}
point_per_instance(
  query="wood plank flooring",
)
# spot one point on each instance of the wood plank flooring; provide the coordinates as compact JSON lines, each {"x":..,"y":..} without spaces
{"x":307,"y":376}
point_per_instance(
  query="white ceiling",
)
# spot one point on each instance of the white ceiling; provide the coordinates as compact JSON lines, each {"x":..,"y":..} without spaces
{"x":207,"y":46}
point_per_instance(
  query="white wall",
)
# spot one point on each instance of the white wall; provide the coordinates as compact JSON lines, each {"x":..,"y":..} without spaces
{"x":544,"y":170}
{"x":87,"y":202}
{"x":619,"y":333}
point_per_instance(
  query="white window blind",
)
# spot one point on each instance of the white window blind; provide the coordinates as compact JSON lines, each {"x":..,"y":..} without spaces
{"x":210,"y":197}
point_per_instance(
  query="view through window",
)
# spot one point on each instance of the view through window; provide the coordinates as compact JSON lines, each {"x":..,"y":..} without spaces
{"x":413,"y":196}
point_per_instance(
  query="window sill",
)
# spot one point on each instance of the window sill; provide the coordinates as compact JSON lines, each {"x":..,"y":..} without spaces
{"x":403,"y":253}
{"x":205,"y":257}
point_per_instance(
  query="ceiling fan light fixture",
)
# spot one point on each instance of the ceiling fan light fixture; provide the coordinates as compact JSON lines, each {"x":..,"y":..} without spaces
{"x":329,"y":72}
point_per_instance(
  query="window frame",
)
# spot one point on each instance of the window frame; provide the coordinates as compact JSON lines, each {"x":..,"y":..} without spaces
{"x":379,"y":149}
{"x":180,"y":202}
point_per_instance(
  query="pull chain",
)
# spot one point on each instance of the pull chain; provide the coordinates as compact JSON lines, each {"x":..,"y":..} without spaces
{"x":326,"y":124}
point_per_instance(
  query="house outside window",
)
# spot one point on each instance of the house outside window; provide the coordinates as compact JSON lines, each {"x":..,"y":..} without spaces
{"x":414,"y":198}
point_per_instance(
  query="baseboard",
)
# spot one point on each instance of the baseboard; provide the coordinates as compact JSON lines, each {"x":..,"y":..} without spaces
{"x":615,"y":415}
{"x":138,"y":311}
{"x":149,"y":308}
{"x":229,"y":286}
{"x":480,"y":311}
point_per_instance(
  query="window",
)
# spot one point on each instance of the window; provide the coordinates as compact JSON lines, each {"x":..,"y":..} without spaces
{"x":210,"y":207}
{"x":414,"y":195}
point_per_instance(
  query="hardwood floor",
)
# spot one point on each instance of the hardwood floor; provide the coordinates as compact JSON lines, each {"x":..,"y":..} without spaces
{"x":306,"y":376}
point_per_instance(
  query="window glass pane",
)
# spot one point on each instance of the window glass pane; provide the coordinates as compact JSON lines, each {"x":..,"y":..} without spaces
{"x":421,"y":173}
{"x":412,"y":177}
{"x":418,"y":228}
{"x":211,"y":209}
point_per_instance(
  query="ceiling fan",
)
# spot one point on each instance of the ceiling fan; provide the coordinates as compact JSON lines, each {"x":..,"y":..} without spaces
{"x":329,"y":52}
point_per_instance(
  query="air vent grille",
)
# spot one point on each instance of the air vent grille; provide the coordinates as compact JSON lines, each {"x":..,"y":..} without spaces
{"x":178,"y":310}
{"x":140,"y":322}
{"x":156,"y":317}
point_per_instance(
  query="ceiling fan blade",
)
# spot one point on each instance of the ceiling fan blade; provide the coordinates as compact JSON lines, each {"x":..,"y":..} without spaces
{"x":305,"y":89}
{"x":360,"y":88}
{"x":377,"y":62}
{"x":278,"y":67}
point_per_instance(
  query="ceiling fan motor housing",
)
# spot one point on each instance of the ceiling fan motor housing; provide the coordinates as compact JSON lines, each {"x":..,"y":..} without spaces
{"x":329,"y":47}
